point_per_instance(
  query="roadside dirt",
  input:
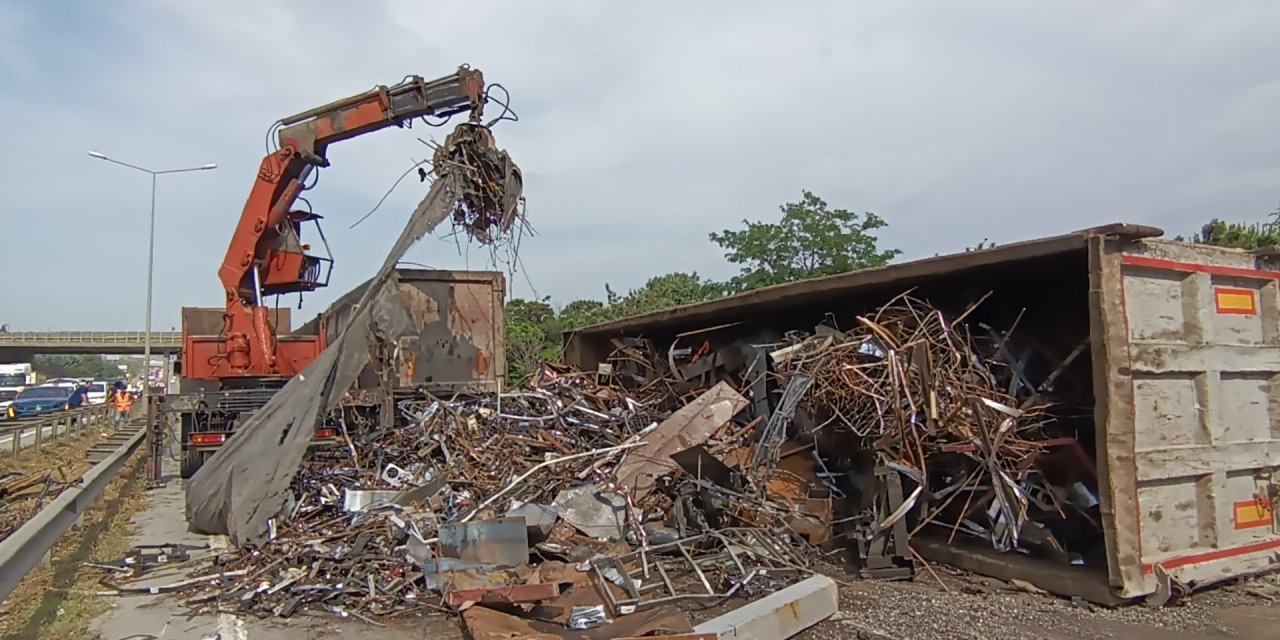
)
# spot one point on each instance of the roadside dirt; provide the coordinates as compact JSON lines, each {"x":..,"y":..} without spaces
{"x":978,"y":608}
{"x":62,"y":459}
{"x":57,"y":603}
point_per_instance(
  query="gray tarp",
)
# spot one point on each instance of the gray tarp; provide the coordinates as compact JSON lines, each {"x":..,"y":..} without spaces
{"x":246,"y":483}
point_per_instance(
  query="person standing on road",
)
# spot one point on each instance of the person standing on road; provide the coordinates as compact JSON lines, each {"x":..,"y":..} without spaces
{"x":124,"y":406}
{"x":79,"y":397}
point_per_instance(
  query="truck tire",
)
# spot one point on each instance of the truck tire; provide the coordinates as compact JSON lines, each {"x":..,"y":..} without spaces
{"x":192,"y":460}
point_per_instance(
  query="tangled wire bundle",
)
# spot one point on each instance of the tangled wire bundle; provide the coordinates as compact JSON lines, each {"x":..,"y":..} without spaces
{"x":483,"y":182}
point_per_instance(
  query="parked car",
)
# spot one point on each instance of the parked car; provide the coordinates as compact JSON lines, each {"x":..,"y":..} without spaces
{"x":6,"y":399}
{"x":38,"y":400}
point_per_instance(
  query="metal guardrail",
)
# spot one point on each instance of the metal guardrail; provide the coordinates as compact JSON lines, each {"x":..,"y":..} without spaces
{"x":75,"y":419}
{"x":88,"y":338}
{"x":24,"y":548}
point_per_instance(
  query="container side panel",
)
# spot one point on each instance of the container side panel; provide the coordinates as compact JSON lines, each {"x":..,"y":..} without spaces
{"x":1204,"y":372}
{"x":454,"y":339}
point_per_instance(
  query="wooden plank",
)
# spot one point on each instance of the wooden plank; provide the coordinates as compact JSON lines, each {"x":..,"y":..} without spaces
{"x":781,"y":614}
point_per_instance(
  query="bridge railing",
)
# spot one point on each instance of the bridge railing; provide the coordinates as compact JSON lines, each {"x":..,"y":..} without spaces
{"x":78,"y":338}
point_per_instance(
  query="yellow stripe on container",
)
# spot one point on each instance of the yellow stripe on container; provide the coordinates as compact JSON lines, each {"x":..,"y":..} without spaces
{"x":1235,"y":301}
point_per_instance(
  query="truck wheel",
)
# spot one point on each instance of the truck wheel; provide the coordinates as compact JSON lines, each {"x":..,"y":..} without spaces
{"x":191,"y":463}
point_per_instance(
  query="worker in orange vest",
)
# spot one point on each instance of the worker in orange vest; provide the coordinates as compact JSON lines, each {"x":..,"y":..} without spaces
{"x":124,"y":406}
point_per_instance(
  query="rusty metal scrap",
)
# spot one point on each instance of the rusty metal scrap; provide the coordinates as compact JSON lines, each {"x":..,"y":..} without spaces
{"x":481,"y":181}
{"x":468,"y":500}
{"x":909,"y":383}
{"x":902,"y":419}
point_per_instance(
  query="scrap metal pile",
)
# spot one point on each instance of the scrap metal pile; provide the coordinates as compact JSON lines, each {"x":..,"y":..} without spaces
{"x":899,"y":422}
{"x":557,"y":495}
{"x":598,"y":501}
{"x":946,"y":412}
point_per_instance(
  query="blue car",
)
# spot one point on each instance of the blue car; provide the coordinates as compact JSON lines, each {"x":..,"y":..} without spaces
{"x":34,"y":401}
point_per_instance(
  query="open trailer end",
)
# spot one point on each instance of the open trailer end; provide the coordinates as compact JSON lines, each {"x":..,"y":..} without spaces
{"x":455,"y":346}
{"x":1177,"y":385}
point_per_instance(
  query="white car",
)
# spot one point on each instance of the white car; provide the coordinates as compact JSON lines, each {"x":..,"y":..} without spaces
{"x":6,"y":399}
{"x":97,"y":392}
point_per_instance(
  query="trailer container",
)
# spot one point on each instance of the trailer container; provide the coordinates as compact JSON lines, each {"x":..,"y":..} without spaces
{"x":1180,"y":372}
{"x":456,"y":346}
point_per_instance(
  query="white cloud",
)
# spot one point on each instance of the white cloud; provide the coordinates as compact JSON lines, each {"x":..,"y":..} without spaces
{"x":643,"y":128}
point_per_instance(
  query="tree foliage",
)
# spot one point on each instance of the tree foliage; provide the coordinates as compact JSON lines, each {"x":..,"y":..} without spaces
{"x":1240,"y":235}
{"x":663,"y":292}
{"x":527,"y":345}
{"x":75,"y":366}
{"x":811,"y":240}
{"x":535,"y":330}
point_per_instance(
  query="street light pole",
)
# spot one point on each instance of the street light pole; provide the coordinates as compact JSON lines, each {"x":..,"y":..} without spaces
{"x":151,"y":261}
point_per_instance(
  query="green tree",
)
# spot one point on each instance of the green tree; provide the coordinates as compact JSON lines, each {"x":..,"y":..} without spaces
{"x":663,"y":292}
{"x":811,"y":240}
{"x":75,"y":366}
{"x":527,"y":346}
{"x":583,"y":313}
{"x":1240,"y":235}
{"x":535,"y":312}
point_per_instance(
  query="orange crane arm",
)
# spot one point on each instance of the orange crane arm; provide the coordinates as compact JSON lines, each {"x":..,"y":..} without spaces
{"x":303,"y":140}
{"x":266,"y":255}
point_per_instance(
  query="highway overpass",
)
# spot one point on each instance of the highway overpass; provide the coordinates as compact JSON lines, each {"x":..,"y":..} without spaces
{"x":20,"y":346}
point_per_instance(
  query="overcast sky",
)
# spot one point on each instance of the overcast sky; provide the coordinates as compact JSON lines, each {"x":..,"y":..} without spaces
{"x":643,"y":127}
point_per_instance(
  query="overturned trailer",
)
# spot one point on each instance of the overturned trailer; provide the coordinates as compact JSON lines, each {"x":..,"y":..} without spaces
{"x":1163,"y":360}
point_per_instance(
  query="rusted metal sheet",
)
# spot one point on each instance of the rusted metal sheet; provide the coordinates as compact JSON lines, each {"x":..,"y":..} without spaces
{"x":687,"y":427}
{"x":487,"y":624}
{"x":508,"y":594}
{"x":1193,"y":431}
{"x":458,"y":324}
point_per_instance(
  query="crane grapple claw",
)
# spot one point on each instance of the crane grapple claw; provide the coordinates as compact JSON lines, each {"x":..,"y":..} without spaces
{"x":485,"y":185}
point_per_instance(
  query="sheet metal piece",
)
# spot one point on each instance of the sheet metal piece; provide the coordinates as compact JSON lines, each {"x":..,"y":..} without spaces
{"x":689,"y":426}
{"x":502,"y":542}
{"x":595,"y":513}
{"x":779,"y":615}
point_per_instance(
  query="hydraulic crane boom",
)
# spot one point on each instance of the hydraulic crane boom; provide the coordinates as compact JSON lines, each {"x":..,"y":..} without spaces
{"x":267,"y":256}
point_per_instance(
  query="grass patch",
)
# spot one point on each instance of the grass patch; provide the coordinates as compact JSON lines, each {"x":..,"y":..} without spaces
{"x":59,"y":603}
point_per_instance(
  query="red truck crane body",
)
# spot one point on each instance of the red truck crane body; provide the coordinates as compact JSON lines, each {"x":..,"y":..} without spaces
{"x":267,"y":256}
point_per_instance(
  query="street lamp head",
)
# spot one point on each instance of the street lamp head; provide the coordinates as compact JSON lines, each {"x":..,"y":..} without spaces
{"x":211,"y":165}
{"x":98,"y":155}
